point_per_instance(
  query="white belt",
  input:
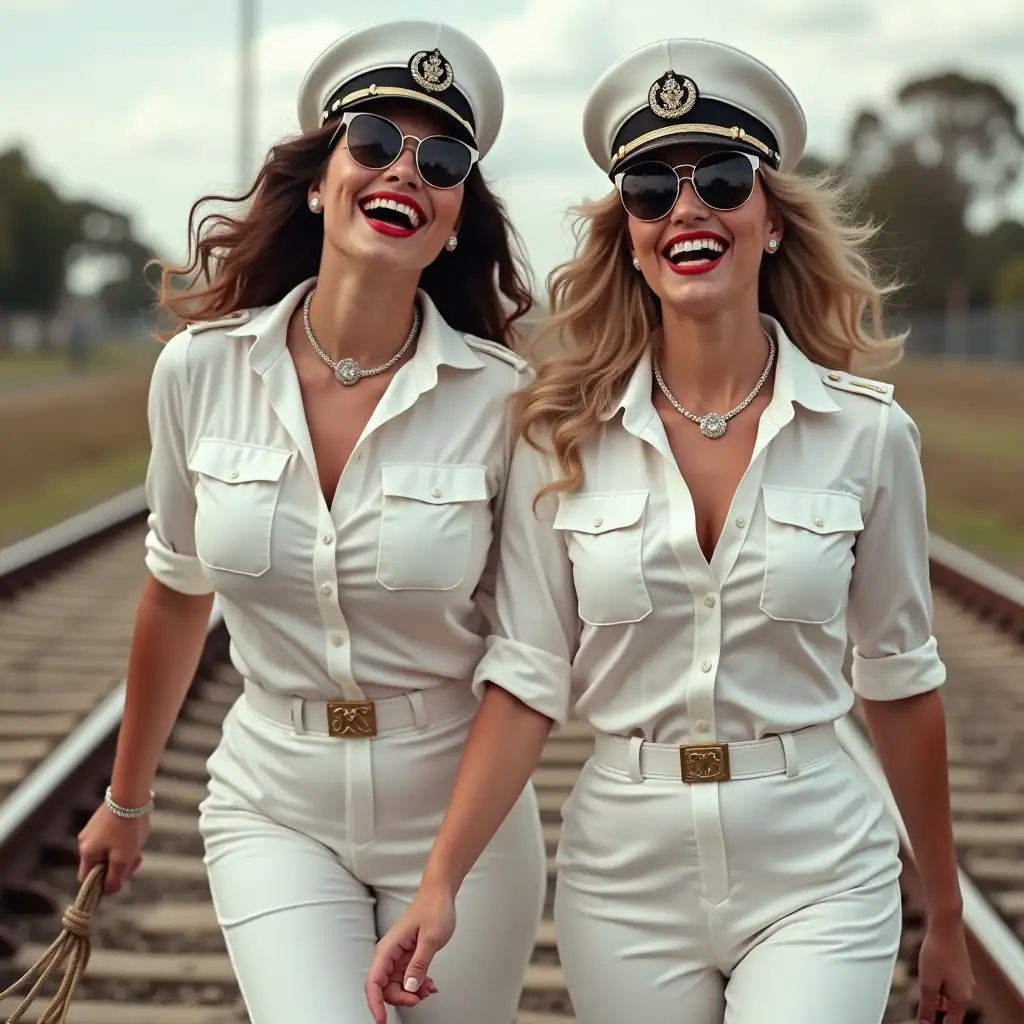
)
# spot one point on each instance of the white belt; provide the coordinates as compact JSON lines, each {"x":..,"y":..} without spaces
{"x":717,"y":762}
{"x":360,"y":719}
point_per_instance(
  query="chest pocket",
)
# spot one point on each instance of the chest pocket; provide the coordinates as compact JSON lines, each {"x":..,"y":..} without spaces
{"x":237,"y":491}
{"x":427,"y":522}
{"x":809,"y":538}
{"x":604,"y":534}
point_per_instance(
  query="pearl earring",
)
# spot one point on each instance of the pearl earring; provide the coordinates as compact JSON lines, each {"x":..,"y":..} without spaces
{"x":451,"y":244}
{"x":314,"y":203}
{"x":773,"y":244}
{"x":636,"y":263}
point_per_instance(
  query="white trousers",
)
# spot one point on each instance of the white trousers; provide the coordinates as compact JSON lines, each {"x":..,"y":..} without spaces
{"x":769,"y":900}
{"x":315,"y":846}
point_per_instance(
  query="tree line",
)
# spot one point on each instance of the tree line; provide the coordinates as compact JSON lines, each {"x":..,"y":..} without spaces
{"x":43,"y":234}
{"x":945,"y":147}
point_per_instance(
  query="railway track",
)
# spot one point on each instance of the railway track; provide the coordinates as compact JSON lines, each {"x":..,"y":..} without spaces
{"x":68,"y":599}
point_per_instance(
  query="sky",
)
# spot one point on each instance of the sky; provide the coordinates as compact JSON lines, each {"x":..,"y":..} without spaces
{"x":136,"y":105}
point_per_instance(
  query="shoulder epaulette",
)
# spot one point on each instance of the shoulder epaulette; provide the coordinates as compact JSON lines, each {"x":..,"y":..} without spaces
{"x":876,"y":389}
{"x":498,"y":351}
{"x":230,"y":320}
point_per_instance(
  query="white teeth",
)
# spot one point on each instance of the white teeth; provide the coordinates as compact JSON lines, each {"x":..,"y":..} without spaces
{"x":391,"y":204}
{"x":693,"y":244}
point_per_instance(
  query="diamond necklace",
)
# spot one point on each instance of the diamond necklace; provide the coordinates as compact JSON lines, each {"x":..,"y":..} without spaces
{"x":713,"y":424}
{"x":348,"y":371}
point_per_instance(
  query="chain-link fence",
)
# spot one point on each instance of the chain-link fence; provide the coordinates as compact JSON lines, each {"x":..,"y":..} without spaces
{"x":987,"y":335}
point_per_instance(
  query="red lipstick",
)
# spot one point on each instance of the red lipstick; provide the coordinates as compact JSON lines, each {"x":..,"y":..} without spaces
{"x":689,"y":268}
{"x":386,"y":228}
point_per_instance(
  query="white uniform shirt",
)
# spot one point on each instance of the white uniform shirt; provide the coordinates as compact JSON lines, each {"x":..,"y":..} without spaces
{"x":382,"y":590}
{"x":826,"y":534}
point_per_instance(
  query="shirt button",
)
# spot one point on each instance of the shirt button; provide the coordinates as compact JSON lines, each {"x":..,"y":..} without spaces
{"x":741,"y":522}
{"x":598,"y":522}
{"x":338,"y":640}
{"x":705,"y":665}
{"x":710,"y":600}
{"x":233,"y":474}
{"x":702,"y":726}
{"x":328,"y":539}
{"x":819,"y":521}
{"x":435,"y":491}
{"x":326,"y":590}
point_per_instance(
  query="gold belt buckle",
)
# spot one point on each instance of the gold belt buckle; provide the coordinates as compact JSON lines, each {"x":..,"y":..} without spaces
{"x":351,"y":718}
{"x":705,"y":762}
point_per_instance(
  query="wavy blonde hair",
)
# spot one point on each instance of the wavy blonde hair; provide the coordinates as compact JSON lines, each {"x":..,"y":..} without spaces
{"x":820,"y":286}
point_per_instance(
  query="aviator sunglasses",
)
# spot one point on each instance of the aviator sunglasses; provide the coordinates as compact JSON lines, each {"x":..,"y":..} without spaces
{"x":723,"y":181}
{"x":376,"y":143}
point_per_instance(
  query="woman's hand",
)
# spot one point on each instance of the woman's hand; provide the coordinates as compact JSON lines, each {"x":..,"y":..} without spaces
{"x":944,"y":973}
{"x":117,"y":841}
{"x":398,"y":973}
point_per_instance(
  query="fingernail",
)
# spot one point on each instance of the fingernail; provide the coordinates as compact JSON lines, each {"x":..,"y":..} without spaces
{"x":411,"y":985}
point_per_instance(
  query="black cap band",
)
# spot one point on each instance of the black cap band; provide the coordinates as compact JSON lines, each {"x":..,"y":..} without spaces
{"x":401,"y":83}
{"x":703,"y":119}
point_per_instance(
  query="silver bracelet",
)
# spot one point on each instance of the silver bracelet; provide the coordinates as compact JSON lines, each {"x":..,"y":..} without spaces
{"x":129,"y":812}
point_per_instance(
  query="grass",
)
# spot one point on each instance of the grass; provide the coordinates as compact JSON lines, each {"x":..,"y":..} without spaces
{"x":971,"y":418}
{"x":66,"y":450}
{"x":17,"y":369}
{"x":66,"y":495}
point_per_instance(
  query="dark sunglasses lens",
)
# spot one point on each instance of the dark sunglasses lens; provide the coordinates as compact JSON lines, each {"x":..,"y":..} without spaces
{"x":444,"y":162}
{"x":649,"y":191}
{"x":723,"y":181}
{"x":373,"y":142}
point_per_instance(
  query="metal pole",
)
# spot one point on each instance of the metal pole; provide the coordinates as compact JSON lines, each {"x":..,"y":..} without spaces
{"x":246,"y":93}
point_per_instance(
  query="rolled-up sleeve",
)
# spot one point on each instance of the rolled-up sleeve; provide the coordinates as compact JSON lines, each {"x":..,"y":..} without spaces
{"x":531,"y":651}
{"x":895,"y":654}
{"x":170,"y":543}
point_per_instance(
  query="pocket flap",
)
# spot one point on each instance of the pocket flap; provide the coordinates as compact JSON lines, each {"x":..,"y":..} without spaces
{"x":599,"y":513}
{"x":817,"y":511}
{"x":436,"y":484}
{"x":237,"y":463}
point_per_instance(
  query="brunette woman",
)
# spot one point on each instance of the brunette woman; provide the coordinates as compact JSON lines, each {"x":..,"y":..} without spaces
{"x":330,"y":449}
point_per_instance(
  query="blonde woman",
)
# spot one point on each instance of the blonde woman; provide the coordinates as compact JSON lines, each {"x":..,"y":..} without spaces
{"x":706,"y":504}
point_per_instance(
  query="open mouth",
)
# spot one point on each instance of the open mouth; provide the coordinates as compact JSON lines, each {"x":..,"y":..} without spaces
{"x":695,"y":254}
{"x":392,"y":214}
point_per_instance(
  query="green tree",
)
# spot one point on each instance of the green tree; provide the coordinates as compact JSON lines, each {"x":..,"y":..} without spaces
{"x":922,"y":238}
{"x":811,"y":165}
{"x":38,"y":227}
{"x":969,"y":126}
{"x":41,"y":234}
{"x":987,"y":253}
{"x":948,"y":141}
{"x":1008,"y":291}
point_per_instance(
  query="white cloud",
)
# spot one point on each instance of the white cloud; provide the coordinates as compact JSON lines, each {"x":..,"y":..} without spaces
{"x":147,"y":120}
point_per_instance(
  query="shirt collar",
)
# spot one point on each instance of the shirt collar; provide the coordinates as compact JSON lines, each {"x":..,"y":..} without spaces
{"x":438,"y":344}
{"x":797,"y":379}
{"x":797,"y":382}
{"x":635,"y":400}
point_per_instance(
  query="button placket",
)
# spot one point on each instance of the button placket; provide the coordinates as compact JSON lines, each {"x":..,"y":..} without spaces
{"x":741,"y":520}
{"x":707,"y":649}
{"x":325,"y":579}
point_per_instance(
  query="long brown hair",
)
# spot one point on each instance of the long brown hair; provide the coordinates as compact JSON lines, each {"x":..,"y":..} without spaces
{"x":820,"y":286}
{"x":256,"y":256}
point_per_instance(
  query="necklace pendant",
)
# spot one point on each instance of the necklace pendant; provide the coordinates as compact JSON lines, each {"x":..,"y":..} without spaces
{"x":348,"y":372}
{"x":713,"y":425}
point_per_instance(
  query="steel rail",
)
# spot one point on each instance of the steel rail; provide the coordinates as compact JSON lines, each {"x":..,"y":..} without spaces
{"x":998,"y":953}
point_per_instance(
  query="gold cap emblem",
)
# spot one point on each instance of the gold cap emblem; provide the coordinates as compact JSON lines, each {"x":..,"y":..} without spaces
{"x":431,"y":71}
{"x":672,"y":96}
